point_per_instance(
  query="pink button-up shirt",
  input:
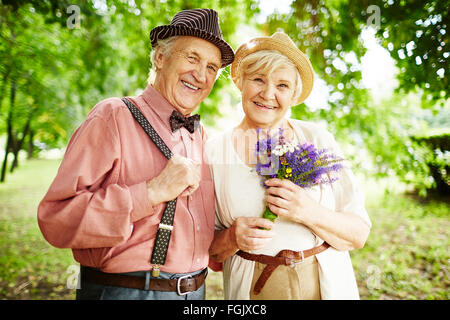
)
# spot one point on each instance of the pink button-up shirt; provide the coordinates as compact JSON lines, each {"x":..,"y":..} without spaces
{"x":98,"y":203}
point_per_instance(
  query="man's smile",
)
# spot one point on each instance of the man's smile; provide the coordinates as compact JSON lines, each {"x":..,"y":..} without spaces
{"x":190,"y":86}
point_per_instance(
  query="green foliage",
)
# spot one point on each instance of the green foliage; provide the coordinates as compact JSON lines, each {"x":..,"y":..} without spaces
{"x":436,"y":149}
{"x":53,"y":71}
{"x":59,"y":73}
{"x":330,"y":33}
{"x":416,"y":33}
{"x":34,"y":60}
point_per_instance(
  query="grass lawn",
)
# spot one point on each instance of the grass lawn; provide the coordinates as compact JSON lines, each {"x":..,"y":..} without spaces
{"x":29,"y":267}
{"x":407,"y":253}
{"x":405,"y":257}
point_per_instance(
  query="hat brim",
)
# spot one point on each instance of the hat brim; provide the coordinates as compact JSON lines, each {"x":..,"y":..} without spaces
{"x":293,"y":53}
{"x":164,"y":32}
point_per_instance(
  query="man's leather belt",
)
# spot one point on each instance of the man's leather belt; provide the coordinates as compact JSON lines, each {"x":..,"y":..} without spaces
{"x":284,"y":257}
{"x":182,"y":285}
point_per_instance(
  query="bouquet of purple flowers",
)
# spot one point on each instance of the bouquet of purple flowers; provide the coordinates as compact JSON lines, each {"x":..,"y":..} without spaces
{"x":303,"y":164}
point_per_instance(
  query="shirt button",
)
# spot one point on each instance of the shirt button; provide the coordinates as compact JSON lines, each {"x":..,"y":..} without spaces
{"x":198,"y":260}
{"x":198,"y":228}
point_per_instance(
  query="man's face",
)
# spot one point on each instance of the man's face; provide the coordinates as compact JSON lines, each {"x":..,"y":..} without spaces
{"x":186,"y":78}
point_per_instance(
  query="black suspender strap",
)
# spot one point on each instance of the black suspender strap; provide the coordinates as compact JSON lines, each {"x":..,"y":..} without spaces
{"x":140,"y":118}
{"x":166,"y":225}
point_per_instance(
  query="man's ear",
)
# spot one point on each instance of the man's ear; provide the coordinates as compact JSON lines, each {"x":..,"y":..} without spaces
{"x":159,"y":58}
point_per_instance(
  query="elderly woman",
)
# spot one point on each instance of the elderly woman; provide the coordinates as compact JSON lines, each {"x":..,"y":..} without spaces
{"x":304,"y":253}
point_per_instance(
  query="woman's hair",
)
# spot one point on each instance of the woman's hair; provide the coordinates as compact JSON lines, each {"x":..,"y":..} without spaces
{"x":165,"y":45}
{"x":266,"y":62}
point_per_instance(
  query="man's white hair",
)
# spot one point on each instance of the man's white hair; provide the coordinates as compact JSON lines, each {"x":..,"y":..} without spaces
{"x":165,"y":45}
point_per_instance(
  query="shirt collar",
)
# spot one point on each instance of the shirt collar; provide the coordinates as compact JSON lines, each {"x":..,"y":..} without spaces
{"x":161,"y":107}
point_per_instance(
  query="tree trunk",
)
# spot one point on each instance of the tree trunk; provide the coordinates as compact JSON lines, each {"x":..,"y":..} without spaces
{"x":4,"y":83}
{"x":5,"y":159}
{"x":30,"y":148}
{"x":18,"y":144}
{"x":9,"y":130}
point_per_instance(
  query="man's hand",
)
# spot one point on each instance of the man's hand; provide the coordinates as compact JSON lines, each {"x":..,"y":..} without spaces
{"x":181,"y":176}
{"x":246,"y":234}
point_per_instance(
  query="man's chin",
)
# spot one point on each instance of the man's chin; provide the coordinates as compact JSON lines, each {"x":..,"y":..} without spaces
{"x":187,"y":103}
{"x":187,"y":108}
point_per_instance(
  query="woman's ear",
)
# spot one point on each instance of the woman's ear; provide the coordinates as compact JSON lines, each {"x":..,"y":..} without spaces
{"x":238,"y":83}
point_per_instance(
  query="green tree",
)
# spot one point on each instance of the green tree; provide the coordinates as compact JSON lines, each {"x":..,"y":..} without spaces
{"x":37,"y":80}
{"x":54,"y":66}
{"x":330,"y":33}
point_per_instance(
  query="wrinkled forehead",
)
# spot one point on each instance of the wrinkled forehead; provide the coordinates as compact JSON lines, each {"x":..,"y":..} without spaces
{"x":201,"y":48}
{"x":282,"y":73}
{"x":267,"y":63}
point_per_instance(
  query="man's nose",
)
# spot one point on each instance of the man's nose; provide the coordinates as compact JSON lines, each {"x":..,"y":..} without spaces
{"x":200,"y":73}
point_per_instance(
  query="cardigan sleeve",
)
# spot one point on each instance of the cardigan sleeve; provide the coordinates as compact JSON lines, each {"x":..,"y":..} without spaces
{"x":85,"y":206}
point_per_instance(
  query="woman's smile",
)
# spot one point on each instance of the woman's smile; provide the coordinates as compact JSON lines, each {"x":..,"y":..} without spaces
{"x":263,"y":106}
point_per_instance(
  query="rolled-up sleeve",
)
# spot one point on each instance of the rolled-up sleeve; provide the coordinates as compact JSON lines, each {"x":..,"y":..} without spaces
{"x":86,"y":206}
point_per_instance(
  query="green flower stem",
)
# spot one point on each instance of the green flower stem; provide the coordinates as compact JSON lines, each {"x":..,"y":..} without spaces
{"x":269,"y":214}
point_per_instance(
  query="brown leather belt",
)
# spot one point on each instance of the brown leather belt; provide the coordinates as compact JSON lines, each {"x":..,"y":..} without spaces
{"x":181,"y":285}
{"x":284,"y":257}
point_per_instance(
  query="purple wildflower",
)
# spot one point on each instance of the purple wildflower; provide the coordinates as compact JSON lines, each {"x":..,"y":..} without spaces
{"x":304,"y":165}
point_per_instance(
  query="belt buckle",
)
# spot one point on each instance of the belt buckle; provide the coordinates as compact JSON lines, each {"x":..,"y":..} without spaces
{"x":179,"y":285}
{"x":295,"y":262}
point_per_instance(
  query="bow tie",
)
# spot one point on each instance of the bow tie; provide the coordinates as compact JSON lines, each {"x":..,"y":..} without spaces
{"x":177,"y":120}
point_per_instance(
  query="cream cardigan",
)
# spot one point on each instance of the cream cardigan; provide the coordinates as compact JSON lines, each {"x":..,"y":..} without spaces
{"x":239,"y":193}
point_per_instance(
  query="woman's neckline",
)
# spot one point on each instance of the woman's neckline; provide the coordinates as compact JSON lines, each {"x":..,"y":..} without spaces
{"x":292,"y":137}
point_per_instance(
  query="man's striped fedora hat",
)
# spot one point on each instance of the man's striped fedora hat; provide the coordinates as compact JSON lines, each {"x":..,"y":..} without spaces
{"x":201,"y":23}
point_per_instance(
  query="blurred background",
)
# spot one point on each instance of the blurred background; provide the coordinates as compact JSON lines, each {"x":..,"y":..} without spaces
{"x":381,"y":87}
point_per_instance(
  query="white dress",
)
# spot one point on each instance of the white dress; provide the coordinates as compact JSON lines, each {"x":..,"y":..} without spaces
{"x":239,"y":193}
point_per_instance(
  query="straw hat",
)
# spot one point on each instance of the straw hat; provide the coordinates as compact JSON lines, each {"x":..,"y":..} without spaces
{"x":201,"y":23}
{"x":280,"y":42}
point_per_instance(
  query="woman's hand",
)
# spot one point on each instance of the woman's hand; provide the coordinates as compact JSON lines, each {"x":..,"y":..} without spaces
{"x":289,"y":200}
{"x":342,"y":230}
{"x":251,"y":234}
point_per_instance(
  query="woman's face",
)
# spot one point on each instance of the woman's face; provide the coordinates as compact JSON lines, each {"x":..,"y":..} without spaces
{"x":267,"y":98}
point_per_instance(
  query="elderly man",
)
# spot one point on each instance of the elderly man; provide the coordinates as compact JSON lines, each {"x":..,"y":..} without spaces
{"x":109,"y":199}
